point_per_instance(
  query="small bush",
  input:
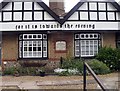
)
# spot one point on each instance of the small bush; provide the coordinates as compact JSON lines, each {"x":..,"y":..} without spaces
{"x":9,"y":71}
{"x":99,"y":67}
{"x":73,"y":64}
{"x":21,"y":71}
{"x":110,"y":57}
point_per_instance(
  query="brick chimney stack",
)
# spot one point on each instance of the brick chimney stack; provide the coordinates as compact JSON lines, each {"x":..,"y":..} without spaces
{"x":57,"y":6}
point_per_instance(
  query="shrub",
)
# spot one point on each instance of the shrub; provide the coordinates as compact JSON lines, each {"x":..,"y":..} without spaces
{"x":9,"y":71}
{"x":98,"y":67}
{"x":110,"y":57}
{"x":73,"y":64}
{"x":20,"y":70}
{"x":27,"y":71}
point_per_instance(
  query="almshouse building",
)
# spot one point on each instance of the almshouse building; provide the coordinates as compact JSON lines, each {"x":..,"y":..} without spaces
{"x":32,"y":32}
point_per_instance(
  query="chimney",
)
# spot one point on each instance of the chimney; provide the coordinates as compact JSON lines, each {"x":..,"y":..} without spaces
{"x":57,"y":6}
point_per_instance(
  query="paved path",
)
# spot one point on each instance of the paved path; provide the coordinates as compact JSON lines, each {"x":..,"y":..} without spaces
{"x":110,"y":83}
{"x":37,"y":82}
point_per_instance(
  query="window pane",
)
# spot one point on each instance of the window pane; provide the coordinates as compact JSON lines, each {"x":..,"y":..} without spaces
{"x":20,"y":37}
{"x":24,"y":36}
{"x":44,"y":43}
{"x":34,"y":48}
{"x":76,"y":36}
{"x":25,"y":48}
{"x":34,"y":36}
{"x":44,"y":49}
{"x":77,"y":42}
{"x":39,"y":43}
{"x":30,"y":48}
{"x":39,"y":48}
{"x":44,"y":54}
{"x":39,"y":36}
{"x":77,"y":53}
{"x":30,"y":43}
{"x":25,"y":43}
{"x":44,"y":36}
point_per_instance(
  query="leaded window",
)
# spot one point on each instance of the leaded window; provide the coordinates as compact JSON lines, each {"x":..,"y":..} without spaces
{"x":33,"y":46}
{"x":86,"y":45}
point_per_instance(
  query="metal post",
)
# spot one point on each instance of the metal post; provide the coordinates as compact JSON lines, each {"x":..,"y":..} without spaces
{"x":61,"y":61}
{"x":84,"y":76}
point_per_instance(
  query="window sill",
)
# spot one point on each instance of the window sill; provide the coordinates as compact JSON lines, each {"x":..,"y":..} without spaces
{"x":59,"y":51}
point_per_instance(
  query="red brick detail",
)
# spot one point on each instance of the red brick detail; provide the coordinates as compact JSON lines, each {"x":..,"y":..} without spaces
{"x":61,"y":51}
{"x":3,"y":60}
{"x":53,"y":59}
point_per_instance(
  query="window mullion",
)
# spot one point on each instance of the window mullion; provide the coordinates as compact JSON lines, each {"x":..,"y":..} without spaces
{"x":93,"y":47}
{"x":89,"y":46}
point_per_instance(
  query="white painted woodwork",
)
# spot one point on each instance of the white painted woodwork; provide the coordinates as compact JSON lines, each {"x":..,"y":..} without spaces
{"x":83,"y":7}
{"x":102,"y":15}
{"x":93,"y":15}
{"x":111,"y":16}
{"x":17,"y":5}
{"x":83,"y":15}
{"x":17,"y":16}
{"x":7,"y":16}
{"x":27,"y":5}
{"x":27,"y":15}
{"x":74,"y":16}
{"x":37,"y":7}
{"x":93,"y":6}
{"x":101,"y":6}
{"x":37,"y":15}
{"x":47,"y":16}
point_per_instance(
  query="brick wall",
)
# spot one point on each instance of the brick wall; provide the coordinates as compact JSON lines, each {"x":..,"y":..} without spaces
{"x":108,"y":39}
{"x":9,"y":47}
{"x":68,"y":38}
{"x":57,"y":6}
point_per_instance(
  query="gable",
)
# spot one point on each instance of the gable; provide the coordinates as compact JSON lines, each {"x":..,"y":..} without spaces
{"x":27,"y":11}
{"x":38,"y":16}
{"x":96,"y":11}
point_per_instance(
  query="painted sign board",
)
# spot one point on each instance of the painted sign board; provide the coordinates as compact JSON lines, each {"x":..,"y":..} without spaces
{"x":26,"y":26}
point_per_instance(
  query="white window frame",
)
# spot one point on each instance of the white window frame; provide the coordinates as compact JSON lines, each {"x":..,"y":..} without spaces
{"x":86,"y":42}
{"x":33,"y":46}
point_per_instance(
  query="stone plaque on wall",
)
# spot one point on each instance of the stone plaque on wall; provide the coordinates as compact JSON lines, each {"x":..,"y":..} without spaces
{"x":60,"y":46}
